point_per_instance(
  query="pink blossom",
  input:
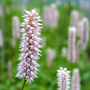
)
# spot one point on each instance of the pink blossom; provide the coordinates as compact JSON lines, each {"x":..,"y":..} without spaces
{"x":15,"y":25}
{"x":63,"y":79}
{"x":75,"y":80}
{"x":74,"y":17}
{"x":71,"y":44}
{"x":85,"y":32}
{"x":29,"y":47}
{"x":50,"y":56}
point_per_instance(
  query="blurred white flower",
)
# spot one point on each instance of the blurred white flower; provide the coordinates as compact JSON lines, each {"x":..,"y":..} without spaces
{"x":75,"y":80}
{"x":79,"y":29}
{"x":64,"y":51}
{"x":54,"y":16}
{"x":50,"y":55}
{"x":51,"y":16}
{"x":15,"y":25}
{"x":74,"y":17}
{"x":63,"y":79}
{"x":85,"y":32}
{"x":71,"y":44}
{"x":46,"y":16}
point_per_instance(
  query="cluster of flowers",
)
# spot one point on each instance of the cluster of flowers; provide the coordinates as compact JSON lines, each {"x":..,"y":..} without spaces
{"x":51,"y":16}
{"x":82,"y":32}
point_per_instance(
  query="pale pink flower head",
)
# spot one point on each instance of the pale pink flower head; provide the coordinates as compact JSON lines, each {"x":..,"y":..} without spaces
{"x":74,"y":17}
{"x":71,"y":44}
{"x":85,"y":32}
{"x":79,"y":29}
{"x":75,"y":80}
{"x":63,"y":79}
{"x":29,"y":47}
{"x":64,"y":52}
{"x":51,"y":16}
{"x":50,"y":56}
{"x":54,"y":15}
{"x":46,"y":16}
{"x":15,"y":25}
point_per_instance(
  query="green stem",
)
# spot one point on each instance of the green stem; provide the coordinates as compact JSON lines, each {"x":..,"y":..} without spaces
{"x":23,"y":84}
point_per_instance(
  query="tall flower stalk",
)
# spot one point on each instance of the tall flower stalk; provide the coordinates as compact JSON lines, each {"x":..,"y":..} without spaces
{"x":75,"y":80}
{"x":15,"y":30}
{"x":63,"y":79}
{"x":29,"y":46}
{"x":15,"y":25}
{"x":51,"y":16}
{"x":71,"y":44}
{"x":74,"y":17}
{"x":79,"y":29}
{"x":85,"y":32}
{"x":54,"y":16}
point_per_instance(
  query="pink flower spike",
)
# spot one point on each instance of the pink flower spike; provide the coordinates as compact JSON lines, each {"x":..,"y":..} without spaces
{"x":75,"y":80}
{"x":71,"y":44}
{"x":29,"y":46}
{"x":63,"y":79}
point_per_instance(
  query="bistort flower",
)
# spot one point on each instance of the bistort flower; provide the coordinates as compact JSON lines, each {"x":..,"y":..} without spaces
{"x":74,"y":17}
{"x":29,"y":47}
{"x":50,"y":55}
{"x":85,"y":32}
{"x":75,"y":80}
{"x":15,"y":25}
{"x":63,"y":79}
{"x":71,"y":44}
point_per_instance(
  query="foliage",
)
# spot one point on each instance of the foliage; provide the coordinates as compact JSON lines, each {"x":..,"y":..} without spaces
{"x":58,"y":38}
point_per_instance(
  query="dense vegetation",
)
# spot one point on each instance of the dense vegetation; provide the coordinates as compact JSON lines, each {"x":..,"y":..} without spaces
{"x":56,"y":39}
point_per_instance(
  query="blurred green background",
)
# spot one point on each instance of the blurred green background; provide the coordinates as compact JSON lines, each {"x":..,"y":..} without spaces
{"x":56,"y":39}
